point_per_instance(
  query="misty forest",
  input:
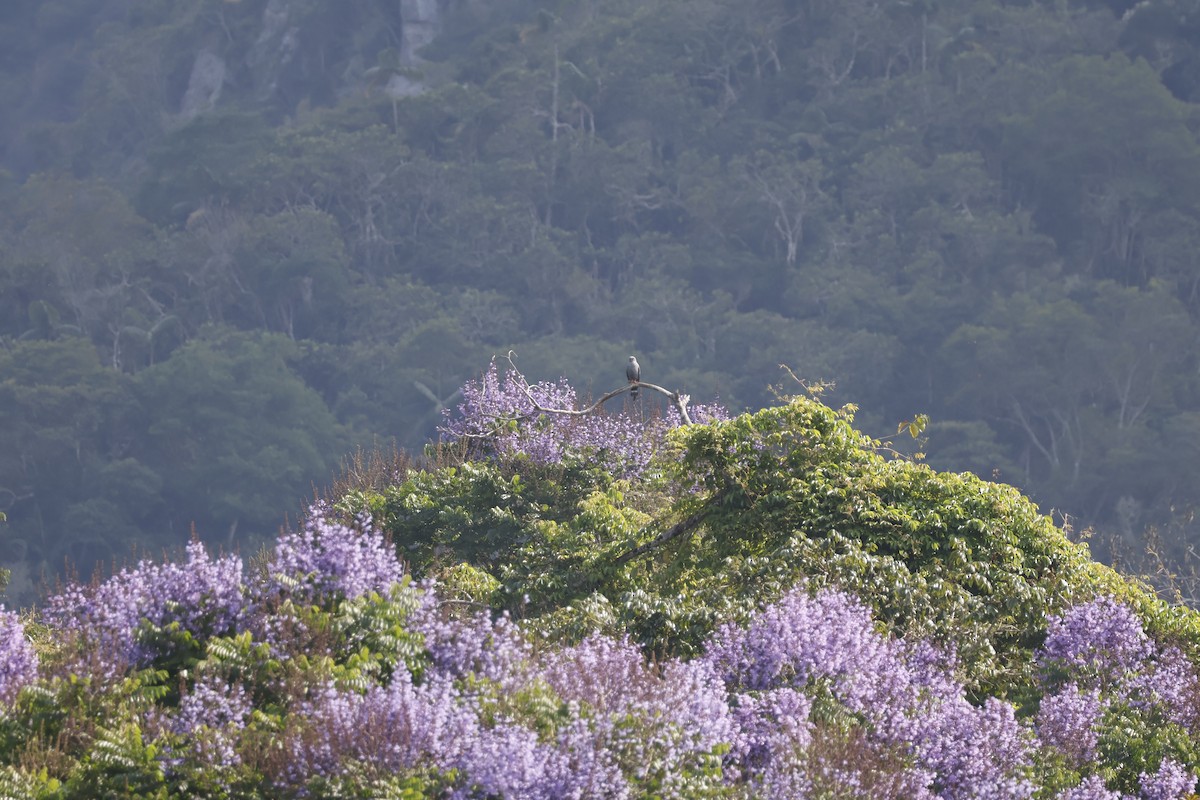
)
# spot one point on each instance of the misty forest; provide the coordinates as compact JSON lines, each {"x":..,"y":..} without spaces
{"x":307,"y":296}
{"x":239,"y":239}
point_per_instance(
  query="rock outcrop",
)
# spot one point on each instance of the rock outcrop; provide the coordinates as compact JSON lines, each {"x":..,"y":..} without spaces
{"x":204,"y":85}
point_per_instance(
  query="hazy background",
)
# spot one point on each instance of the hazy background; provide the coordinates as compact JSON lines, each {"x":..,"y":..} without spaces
{"x":239,"y":238}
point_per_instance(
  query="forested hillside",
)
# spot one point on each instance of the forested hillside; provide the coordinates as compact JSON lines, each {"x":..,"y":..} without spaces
{"x":238,"y":237}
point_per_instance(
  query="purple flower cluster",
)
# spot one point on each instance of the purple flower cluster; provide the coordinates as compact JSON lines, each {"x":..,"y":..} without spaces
{"x":498,"y":412}
{"x":658,"y":723}
{"x":389,"y":729}
{"x":770,"y":723}
{"x":209,"y":716}
{"x":326,"y":558}
{"x":1097,"y":655}
{"x":510,"y":761}
{"x":1101,"y":641}
{"x":620,"y":719}
{"x":1169,"y":681}
{"x":1173,"y":781}
{"x":405,"y":727}
{"x":1068,"y":720}
{"x":204,"y":595}
{"x":976,"y":752}
{"x":18,"y":661}
{"x":1101,"y":646}
{"x":492,"y":649}
{"x":701,"y":414}
{"x":907,"y":703}
{"x":1091,"y":788}
{"x":212,"y":703}
{"x":829,"y":635}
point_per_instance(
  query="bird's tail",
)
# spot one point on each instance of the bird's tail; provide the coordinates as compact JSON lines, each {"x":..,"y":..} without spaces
{"x":633,"y":393}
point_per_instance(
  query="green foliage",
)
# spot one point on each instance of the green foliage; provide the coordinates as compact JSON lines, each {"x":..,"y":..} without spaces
{"x":373,"y":631}
{"x":21,"y":785}
{"x":1137,"y":742}
{"x":58,"y":409}
{"x":78,"y":736}
{"x":241,"y":658}
{"x":475,"y":511}
{"x":120,"y":764}
{"x":746,"y":510}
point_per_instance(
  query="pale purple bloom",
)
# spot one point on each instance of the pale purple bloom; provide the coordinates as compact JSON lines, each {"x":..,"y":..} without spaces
{"x":509,"y":761}
{"x":1100,"y":649}
{"x":497,"y":414}
{"x":477,"y":645}
{"x":213,"y":703}
{"x":1173,"y":781}
{"x":18,"y":660}
{"x":977,"y":753}
{"x":203,"y":595}
{"x":209,"y":716}
{"x":1067,"y":721}
{"x":1100,"y":642}
{"x":613,"y":677}
{"x":830,"y":635}
{"x":967,"y":751}
{"x":658,"y":722}
{"x":1091,"y":788}
{"x":1170,"y":682}
{"x":388,"y":729}
{"x":772,"y":726}
{"x":326,"y":558}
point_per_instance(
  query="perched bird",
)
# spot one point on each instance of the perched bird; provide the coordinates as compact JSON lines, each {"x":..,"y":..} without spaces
{"x":634,"y":373}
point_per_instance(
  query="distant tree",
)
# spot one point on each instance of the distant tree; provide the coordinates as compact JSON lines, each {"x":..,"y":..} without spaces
{"x":236,"y":436}
{"x":63,"y":416}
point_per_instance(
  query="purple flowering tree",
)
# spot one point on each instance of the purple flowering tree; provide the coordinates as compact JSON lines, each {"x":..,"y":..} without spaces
{"x":1068,"y":721}
{"x":661,"y":725}
{"x":387,"y":688}
{"x":828,"y":643}
{"x":203,"y":595}
{"x":474,"y":645}
{"x":1097,"y":660}
{"x":327,"y":559}
{"x":1097,"y":654}
{"x":508,"y":416}
{"x":208,"y":719}
{"x":1172,"y":781}
{"x":397,"y":728}
{"x":1101,"y":643}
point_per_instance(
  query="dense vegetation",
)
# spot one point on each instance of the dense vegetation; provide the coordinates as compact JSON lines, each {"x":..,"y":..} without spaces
{"x":771,"y":606}
{"x":237,"y":238}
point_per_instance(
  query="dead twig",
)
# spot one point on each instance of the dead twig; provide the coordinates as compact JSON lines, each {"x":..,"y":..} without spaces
{"x":678,"y":399}
{"x":680,"y":528}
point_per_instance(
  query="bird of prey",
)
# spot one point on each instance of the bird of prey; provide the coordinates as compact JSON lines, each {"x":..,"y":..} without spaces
{"x":634,"y":373}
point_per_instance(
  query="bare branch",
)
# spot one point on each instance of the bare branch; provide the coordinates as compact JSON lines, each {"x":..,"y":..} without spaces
{"x":678,"y":399}
{"x":675,"y":531}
